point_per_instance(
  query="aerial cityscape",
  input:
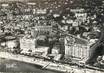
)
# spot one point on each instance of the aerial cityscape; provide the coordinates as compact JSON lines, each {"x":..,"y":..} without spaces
{"x":52,"y":36}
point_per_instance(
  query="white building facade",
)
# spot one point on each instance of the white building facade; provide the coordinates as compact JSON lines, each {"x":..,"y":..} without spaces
{"x":76,"y":51}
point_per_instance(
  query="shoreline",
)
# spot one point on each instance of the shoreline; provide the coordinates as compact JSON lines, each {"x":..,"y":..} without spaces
{"x":44,"y":64}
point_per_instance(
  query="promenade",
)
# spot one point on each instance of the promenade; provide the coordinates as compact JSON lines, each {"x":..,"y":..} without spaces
{"x":46,"y":64}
